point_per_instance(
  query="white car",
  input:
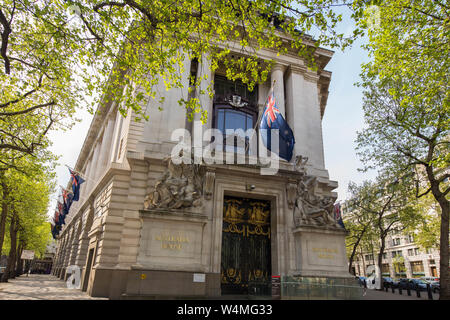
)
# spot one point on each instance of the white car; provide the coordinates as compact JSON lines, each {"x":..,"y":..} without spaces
{"x":429,"y":279}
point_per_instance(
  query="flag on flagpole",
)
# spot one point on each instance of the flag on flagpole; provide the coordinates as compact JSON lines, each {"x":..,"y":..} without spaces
{"x":272,"y":120}
{"x":62,"y":216}
{"x":67,"y":200}
{"x":76,"y":182}
{"x":56,"y":218}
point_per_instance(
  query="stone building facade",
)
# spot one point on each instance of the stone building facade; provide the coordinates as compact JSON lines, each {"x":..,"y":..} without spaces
{"x":145,"y":226}
{"x":403,"y":258}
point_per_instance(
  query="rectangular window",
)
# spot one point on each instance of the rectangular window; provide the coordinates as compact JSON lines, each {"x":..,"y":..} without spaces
{"x":416,"y":251}
{"x":398,"y":253}
{"x":417,"y":266}
{"x":396,"y":241}
{"x":410,"y":252}
{"x":235,"y":111}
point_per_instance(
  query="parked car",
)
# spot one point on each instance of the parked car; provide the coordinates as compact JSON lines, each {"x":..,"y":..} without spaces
{"x":388,"y":280}
{"x":403,"y":283}
{"x":429,"y":279}
{"x":435,"y":286}
{"x":395,"y":282}
{"x":418,"y":282}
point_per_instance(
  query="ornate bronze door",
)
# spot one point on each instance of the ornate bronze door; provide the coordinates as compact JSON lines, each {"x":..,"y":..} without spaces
{"x":245,"y":244}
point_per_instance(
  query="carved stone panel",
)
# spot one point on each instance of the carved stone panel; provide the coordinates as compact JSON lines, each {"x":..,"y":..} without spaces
{"x":310,"y":208}
{"x":320,"y":253}
{"x":181,"y":186}
{"x":170,"y":243}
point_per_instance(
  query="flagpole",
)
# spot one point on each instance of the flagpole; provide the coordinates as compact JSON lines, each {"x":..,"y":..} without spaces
{"x":64,"y":189}
{"x":265,"y":104}
{"x":82,"y":175}
{"x":261,"y":113}
{"x":72,"y":169}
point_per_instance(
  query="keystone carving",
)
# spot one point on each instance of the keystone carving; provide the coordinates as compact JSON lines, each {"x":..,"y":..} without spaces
{"x":210,"y":176}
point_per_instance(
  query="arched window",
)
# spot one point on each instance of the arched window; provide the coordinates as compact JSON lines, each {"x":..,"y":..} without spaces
{"x":235,"y":107}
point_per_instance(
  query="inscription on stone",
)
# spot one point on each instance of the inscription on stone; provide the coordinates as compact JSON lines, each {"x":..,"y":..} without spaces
{"x":171,"y":241}
{"x":325,"y":253}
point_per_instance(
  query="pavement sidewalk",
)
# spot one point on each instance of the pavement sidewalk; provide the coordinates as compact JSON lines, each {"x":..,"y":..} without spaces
{"x":383,"y":295}
{"x":48,"y":287}
{"x":40,"y":287}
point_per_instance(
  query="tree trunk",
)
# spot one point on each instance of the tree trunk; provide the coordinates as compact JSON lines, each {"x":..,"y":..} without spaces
{"x":444,"y":274}
{"x":19,"y":262}
{"x":443,"y":247}
{"x":352,"y":256}
{"x":4,"y":213}
{"x":380,"y":257}
{"x":10,"y":268}
{"x":350,"y":261}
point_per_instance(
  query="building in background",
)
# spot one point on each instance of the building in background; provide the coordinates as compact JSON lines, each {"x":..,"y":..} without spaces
{"x":403,"y":258}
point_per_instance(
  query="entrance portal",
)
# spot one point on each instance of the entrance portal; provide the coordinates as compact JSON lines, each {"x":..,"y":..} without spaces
{"x":246,"y":254}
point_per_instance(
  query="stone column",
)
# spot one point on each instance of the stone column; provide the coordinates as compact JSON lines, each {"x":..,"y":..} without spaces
{"x":115,"y":137}
{"x":204,"y":69}
{"x":83,"y":239}
{"x":303,"y":115}
{"x":105,"y":147}
{"x":91,"y":178}
{"x":75,"y":242}
{"x":60,"y":258}
{"x":277,"y":74}
{"x":68,"y":249}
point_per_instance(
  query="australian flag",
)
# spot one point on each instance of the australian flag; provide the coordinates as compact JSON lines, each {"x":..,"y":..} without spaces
{"x":62,"y":216}
{"x":272,"y":119}
{"x":76,"y":182}
{"x":67,"y":201}
{"x":59,"y":219}
{"x":337,"y":215}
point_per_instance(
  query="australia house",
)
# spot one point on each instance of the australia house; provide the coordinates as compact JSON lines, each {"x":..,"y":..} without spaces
{"x":146,"y":226}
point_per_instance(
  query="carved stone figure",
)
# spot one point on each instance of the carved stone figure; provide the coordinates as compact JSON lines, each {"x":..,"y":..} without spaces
{"x":311,"y":209}
{"x":179,"y":187}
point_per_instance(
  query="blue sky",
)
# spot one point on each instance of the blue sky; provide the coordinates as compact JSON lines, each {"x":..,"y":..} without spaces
{"x":342,"y":119}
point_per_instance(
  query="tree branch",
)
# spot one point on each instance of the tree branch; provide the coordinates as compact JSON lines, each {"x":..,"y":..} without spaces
{"x":6,"y":104}
{"x":7,"y":114}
